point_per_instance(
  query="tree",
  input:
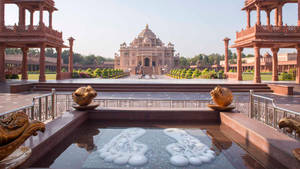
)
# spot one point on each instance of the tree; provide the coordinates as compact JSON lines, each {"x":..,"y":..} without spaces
{"x":183,"y":62}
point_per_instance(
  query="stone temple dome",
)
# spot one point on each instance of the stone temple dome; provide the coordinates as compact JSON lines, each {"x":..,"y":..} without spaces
{"x":147,"y":33}
{"x":147,"y":40}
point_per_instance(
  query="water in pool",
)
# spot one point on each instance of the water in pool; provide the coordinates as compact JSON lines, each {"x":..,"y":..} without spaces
{"x":165,"y":147}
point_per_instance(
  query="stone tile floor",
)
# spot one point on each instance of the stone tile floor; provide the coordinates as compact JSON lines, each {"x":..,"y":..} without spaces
{"x":13,"y":101}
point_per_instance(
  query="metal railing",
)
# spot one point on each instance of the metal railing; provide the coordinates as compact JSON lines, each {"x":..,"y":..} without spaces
{"x":265,"y":110}
{"x":43,"y":108}
{"x":65,"y":102}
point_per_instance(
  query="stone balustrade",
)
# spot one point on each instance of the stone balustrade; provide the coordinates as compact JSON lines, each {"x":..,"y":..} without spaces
{"x":267,"y":29}
{"x":32,"y":29}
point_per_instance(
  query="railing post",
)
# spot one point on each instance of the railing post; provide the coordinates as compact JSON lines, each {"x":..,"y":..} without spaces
{"x":274,"y":117}
{"x":266,"y":112}
{"x":53,"y":103}
{"x":251,"y":104}
{"x":32,"y":109}
{"x":40,"y":109}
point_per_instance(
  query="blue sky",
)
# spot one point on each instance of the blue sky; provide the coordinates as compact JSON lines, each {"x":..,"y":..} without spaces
{"x":194,"y":26}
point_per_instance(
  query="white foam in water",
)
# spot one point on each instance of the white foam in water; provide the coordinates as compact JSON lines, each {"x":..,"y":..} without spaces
{"x":188,"y":149}
{"x":123,"y":149}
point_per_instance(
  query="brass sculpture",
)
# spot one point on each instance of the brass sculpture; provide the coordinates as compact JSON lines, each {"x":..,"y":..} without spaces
{"x":222,"y":97}
{"x":291,"y":124}
{"x":84,"y":96}
{"x":15,"y":130}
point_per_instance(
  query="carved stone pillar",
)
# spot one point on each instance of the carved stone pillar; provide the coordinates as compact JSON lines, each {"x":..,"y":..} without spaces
{"x":239,"y":64}
{"x":298,"y":12}
{"x":258,"y":15}
{"x":71,"y":42}
{"x":42,"y":77}
{"x":280,"y":21}
{"x":22,"y":16}
{"x":226,"y":67}
{"x":2,"y":14}
{"x":58,"y":63}
{"x":268,"y":17}
{"x":2,"y":63}
{"x":276,"y":16}
{"x":24,"y":64}
{"x":257,"y":78}
{"x":41,"y":23}
{"x":275,"y":64}
{"x":248,"y":18}
{"x":50,"y":19}
{"x":31,"y":18}
{"x":298,"y":65}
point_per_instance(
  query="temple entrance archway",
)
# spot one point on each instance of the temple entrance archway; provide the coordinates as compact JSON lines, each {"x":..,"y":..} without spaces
{"x":147,"y":62}
{"x":153,"y":63}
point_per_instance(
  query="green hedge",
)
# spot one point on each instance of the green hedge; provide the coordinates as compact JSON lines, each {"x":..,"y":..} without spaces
{"x":99,"y":73}
{"x":196,"y":73}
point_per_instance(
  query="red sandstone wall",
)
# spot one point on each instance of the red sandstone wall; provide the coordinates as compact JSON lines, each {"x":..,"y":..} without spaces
{"x":66,"y":75}
{"x":231,"y":75}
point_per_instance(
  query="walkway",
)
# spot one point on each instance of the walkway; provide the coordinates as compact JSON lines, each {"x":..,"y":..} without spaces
{"x":13,"y":101}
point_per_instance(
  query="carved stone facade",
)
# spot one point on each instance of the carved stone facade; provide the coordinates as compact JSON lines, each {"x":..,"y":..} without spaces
{"x":265,"y":35}
{"x":146,"y":54}
{"x":31,"y":36}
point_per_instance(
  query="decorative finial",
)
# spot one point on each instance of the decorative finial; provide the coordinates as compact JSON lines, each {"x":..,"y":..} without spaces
{"x":147,"y":26}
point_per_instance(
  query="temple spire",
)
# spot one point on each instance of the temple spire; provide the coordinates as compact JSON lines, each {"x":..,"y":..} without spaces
{"x":147,"y":26}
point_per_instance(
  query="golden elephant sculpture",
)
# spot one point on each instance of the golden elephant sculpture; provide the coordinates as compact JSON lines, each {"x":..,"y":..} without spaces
{"x":15,"y":130}
{"x":291,"y":124}
{"x":222,"y":96}
{"x":84,"y":96}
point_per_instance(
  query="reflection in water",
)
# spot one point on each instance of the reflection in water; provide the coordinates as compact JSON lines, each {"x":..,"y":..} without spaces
{"x":86,"y":140}
{"x":219,"y":141}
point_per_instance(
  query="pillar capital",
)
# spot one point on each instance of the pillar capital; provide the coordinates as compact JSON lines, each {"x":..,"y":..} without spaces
{"x":275,"y":50}
{"x":240,"y":49}
{"x":25,"y":49}
{"x":226,"y":40}
{"x":256,"y":45}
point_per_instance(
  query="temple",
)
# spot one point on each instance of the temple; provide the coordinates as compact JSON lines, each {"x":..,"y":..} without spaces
{"x":31,"y":36}
{"x":266,"y":35}
{"x":146,"y":53}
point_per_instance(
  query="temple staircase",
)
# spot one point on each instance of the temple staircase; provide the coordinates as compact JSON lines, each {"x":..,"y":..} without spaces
{"x":115,"y":87}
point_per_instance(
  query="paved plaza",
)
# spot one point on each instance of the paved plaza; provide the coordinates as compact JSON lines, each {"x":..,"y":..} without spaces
{"x":13,"y":101}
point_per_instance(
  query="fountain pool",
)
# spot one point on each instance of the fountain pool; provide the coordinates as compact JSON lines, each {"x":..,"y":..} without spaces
{"x":98,"y":145}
